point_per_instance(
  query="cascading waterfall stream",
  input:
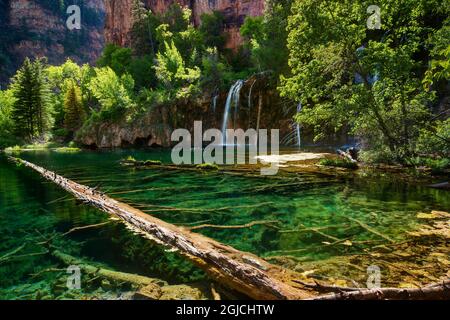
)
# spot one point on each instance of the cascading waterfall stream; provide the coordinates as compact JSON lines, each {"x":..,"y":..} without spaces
{"x":250,"y":103}
{"x":299,"y":137}
{"x":214,"y":103}
{"x":232,"y":98}
{"x":236,"y":98}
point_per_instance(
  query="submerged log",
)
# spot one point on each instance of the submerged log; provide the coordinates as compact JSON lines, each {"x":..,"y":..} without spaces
{"x":138,"y":280}
{"x":238,"y":270}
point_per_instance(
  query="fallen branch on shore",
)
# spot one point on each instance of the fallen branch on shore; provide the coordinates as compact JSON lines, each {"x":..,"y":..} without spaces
{"x":436,"y":291}
{"x":346,"y":155}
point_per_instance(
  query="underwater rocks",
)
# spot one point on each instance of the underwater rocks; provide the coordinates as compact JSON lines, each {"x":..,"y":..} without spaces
{"x":172,"y":292}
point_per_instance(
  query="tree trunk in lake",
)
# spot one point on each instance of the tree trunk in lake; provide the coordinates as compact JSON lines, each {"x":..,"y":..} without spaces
{"x":238,"y":270}
{"x":437,"y":291}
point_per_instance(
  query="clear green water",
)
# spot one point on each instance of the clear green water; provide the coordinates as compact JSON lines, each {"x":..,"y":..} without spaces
{"x":33,"y":209}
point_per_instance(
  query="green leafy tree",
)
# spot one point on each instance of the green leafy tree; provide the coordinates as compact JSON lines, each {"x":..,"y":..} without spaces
{"x":176,"y":27}
{"x":60,"y":78}
{"x":115,"y":57}
{"x":214,"y":71}
{"x":435,"y":140}
{"x":121,"y":61}
{"x":114,"y":93}
{"x":31,"y":112}
{"x":7,"y":101}
{"x":439,"y":68}
{"x":348,"y":76}
{"x":173,"y":74}
{"x":73,"y":106}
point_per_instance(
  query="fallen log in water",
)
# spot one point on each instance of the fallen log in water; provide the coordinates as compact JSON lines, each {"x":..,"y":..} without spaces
{"x":436,"y":291}
{"x":135,"y":279}
{"x":241,"y":271}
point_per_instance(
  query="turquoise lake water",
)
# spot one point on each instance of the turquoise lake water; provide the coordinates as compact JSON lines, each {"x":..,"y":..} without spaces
{"x":33,"y":210}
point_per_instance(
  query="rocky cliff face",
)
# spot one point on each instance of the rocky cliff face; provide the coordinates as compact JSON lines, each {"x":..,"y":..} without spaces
{"x":119,"y":20}
{"x":36,"y":28}
{"x":154,"y":127}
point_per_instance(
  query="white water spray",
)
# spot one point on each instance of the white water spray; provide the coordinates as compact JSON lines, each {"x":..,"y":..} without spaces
{"x":299,"y":136}
{"x":232,"y":99}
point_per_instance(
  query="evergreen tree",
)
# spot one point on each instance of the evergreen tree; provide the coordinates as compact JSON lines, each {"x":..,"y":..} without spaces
{"x":23,"y":108}
{"x":31,"y":112}
{"x":142,"y":32}
{"x":73,"y":107}
{"x":41,"y":98}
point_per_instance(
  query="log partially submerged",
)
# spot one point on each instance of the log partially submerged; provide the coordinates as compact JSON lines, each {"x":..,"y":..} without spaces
{"x":436,"y":291}
{"x":238,"y":270}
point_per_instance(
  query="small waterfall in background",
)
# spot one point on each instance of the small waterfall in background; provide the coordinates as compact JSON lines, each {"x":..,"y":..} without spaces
{"x":293,"y":137}
{"x":232,"y":98}
{"x":214,"y":103}
{"x":299,"y":136}
{"x":250,"y":103}
{"x":236,"y":98}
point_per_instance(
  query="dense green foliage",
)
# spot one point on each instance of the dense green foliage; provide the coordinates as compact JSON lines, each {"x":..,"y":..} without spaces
{"x":267,"y":37}
{"x":387,"y":86}
{"x":7,"y":101}
{"x":367,"y":81}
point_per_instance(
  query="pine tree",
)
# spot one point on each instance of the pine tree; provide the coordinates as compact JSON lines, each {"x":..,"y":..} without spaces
{"x":41,"y":95}
{"x":143,"y":28}
{"x":31,"y":112}
{"x":73,"y":108}
{"x":22,"y":114}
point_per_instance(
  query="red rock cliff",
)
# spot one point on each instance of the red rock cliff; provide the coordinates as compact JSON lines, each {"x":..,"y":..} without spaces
{"x":119,"y":20}
{"x":36,"y":28}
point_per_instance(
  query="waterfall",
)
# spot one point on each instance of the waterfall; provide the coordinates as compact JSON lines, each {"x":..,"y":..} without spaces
{"x":250,"y":104}
{"x":299,"y":137}
{"x":232,"y":98}
{"x":214,"y":103}
{"x":236,"y":98}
